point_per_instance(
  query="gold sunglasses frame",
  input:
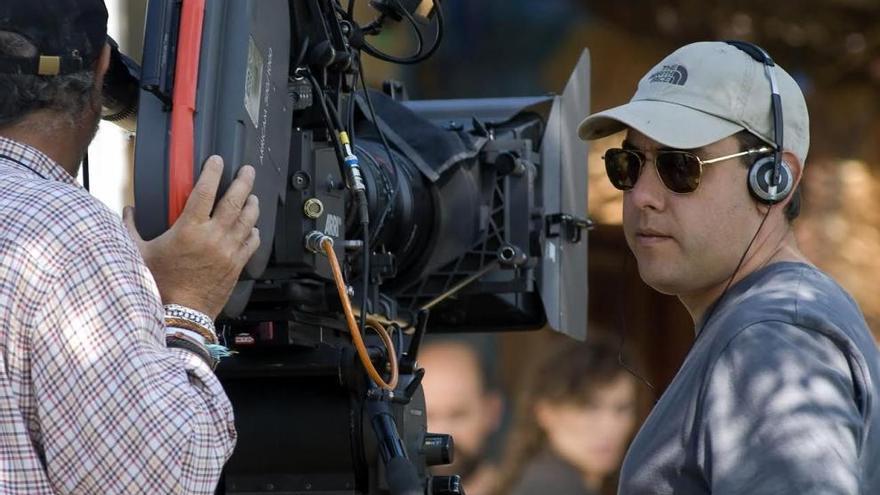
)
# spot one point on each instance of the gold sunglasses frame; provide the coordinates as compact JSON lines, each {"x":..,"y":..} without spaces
{"x":643,"y":160}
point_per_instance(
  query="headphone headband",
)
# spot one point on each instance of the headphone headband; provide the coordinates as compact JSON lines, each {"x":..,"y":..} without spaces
{"x":761,"y":56}
{"x":756,"y":52}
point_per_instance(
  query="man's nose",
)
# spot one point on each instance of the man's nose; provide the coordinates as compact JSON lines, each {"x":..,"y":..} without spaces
{"x":648,"y":191}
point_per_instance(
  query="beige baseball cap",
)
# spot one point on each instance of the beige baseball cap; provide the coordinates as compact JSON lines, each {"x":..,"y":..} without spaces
{"x":705,"y":92}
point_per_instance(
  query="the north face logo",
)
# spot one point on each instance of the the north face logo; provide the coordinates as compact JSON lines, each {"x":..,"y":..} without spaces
{"x":672,"y":74}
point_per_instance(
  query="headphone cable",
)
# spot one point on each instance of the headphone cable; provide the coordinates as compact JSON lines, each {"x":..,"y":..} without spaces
{"x":622,"y":314}
{"x":742,"y":259}
{"x":622,"y":333}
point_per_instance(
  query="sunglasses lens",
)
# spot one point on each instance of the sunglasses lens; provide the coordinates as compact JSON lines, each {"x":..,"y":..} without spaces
{"x":680,"y":172}
{"x":622,"y":167}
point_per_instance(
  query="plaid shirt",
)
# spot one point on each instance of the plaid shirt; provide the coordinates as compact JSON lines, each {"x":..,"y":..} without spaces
{"x":91,"y":400}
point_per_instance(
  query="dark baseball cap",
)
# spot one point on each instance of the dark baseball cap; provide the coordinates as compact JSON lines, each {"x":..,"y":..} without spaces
{"x":69,"y":34}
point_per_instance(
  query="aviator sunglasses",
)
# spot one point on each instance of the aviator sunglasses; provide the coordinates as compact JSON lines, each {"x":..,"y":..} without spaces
{"x":679,"y":171}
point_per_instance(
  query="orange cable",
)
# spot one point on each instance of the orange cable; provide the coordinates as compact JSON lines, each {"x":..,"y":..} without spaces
{"x":356,"y":336}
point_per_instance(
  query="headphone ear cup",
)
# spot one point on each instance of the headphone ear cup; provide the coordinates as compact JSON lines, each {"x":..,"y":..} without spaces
{"x":761,"y":176}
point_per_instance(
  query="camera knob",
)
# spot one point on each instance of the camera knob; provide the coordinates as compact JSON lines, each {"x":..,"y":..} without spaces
{"x":446,"y":485}
{"x":438,"y":449}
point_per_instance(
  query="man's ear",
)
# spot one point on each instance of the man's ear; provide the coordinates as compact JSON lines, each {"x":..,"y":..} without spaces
{"x":102,"y":63}
{"x":796,"y":168}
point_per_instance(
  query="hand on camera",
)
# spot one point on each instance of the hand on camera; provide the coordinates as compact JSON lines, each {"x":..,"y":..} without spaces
{"x":196,"y":263}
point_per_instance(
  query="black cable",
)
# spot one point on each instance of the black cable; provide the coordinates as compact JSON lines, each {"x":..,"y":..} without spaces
{"x":337,"y":6}
{"x":391,"y":161}
{"x":350,"y":116}
{"x":332,"y":120}
{"x":399,"y":332}
{"x":365,"y":285}
{"x":360,"y":194}
{"x":334,"y":138}
{"x":375,"y":26}
{"x":303,"y":49}
{"x":334,"y":112}
{"x":323,"y":17}
{"x":706,"y":320}
{"x":331,"y":115}
{"x":420,"y":39}
{"x":742,"y":258}
{"x":85,"y":170}
{"x":622,"y":317}
{"x":375,"y":52}
{"x":345,"y":42}
{"x":419,"y":56}
{"x":351,"y":104}
{"x":351,"y":8}
{"x":339,"y":100}
{"x":339,"y":37}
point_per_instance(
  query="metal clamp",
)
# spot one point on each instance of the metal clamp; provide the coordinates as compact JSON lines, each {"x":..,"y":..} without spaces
{"x":314,"y":240}
{"x":570,"y":226}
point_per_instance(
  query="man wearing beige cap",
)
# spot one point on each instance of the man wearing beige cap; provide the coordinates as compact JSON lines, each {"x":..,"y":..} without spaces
{"x":779,"y":393}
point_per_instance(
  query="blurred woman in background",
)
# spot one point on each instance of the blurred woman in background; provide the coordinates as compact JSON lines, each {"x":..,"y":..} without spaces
{"x":572,"y":424}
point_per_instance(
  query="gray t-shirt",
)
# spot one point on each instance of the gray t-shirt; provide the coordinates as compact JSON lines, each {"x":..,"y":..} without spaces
{"x":779,"y":394}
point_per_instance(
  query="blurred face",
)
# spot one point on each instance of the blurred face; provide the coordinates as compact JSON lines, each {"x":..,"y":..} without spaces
{"x":592,"y":436}
{"x":457,"y":403}
{"x":689,"y":244}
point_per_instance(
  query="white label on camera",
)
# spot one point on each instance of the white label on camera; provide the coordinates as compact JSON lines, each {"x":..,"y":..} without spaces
{"x":334,"y":223}
{"x":253,"y":82}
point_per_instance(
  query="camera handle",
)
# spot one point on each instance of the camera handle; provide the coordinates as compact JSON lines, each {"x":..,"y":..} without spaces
{"x":400,"y":473}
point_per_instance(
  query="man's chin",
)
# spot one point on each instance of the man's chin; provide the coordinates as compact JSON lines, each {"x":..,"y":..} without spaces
{"x":661,"y":280}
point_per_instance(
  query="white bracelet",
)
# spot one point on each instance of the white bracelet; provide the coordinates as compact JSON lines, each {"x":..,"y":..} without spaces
{"x":194,"y":336}
{"x":184,"y":313}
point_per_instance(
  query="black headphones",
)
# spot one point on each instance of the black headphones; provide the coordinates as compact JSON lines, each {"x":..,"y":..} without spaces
{"x":770,"y":178}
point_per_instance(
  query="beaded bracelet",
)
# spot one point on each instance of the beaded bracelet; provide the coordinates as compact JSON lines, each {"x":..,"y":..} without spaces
{"x":178,"y":311}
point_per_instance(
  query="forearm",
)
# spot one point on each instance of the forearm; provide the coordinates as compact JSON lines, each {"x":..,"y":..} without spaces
{"x":212,"y":434}
{"x":131,"y":418}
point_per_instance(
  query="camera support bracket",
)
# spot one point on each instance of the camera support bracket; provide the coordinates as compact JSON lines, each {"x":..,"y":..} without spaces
{"x":568,"y":226}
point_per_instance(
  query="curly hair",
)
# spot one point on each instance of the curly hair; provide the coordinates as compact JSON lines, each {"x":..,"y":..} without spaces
{"x":21,"y":94}
{"x":566,"y":374}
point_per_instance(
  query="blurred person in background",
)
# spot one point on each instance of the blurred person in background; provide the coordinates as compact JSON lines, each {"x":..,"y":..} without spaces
{"x":462,"y":400}
{"x":572,"y":423}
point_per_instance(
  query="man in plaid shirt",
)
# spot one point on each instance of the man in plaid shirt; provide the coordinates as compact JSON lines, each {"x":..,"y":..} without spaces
{"x":96,"y":394}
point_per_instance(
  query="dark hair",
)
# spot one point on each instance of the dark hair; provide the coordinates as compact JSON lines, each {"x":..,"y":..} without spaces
{"x":567,"y":374}
{"x":748,"y":141}
{"x":484,"y":348}
{"x":21,"y":94}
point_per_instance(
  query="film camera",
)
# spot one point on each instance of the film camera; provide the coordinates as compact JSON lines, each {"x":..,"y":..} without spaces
{"x":376,"y":213}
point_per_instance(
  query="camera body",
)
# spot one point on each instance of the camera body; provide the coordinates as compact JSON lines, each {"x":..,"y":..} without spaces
{"x":475,"y":214}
